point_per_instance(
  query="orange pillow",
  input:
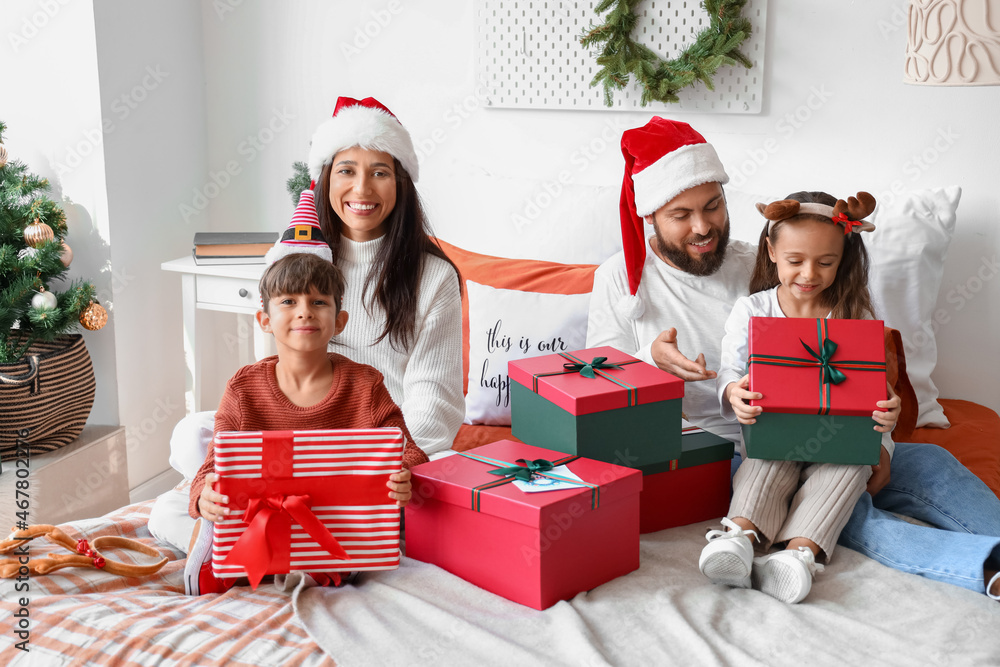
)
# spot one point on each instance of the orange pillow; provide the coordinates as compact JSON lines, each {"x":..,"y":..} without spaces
{"x":525,"y":275}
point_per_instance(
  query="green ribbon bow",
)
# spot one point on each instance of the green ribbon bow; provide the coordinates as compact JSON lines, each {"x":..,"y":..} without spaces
{"x":587,"y":370}
{"x":524,"y":471}
{"x":831,"y":374}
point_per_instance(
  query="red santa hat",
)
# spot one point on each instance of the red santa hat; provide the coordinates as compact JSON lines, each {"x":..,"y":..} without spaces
{"x":303,"y":233}
{"x":366,"y":123}
{"x":663,"y":158}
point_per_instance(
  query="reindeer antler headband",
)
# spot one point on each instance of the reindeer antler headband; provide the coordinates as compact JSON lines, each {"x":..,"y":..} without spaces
{"x":850,"y":213}
{"x":84,"y":554}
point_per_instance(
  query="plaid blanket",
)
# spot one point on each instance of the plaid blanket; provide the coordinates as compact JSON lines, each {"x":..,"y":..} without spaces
{"x":86,"y":616}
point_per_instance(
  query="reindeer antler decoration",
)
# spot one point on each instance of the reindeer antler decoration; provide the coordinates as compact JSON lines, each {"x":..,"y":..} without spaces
{"x":850,"y":213}
{"x":85,"y":554}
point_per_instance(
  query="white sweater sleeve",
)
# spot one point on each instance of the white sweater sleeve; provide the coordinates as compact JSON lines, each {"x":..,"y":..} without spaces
{"x":433,"y":406}
{"x":605,"y":326}
{"x":735,"y":352}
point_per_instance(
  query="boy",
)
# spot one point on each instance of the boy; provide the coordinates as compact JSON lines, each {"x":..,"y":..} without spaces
{"x":303,"y":387}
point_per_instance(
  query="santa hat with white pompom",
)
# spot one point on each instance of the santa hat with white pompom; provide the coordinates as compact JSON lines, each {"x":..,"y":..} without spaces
{"x":366,"y":123}
{"x":663,"y":158}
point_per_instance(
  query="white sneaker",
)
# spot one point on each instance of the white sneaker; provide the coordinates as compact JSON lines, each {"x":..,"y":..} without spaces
{"x":993,"y":582}
{"x":786,"y":575}
{"x":728,"y":557}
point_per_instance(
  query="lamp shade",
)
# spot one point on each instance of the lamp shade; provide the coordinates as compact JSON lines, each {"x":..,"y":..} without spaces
{"x":953,"y":43}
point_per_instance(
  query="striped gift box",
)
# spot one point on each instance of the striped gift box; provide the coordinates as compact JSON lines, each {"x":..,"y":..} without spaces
{"x":333,"y":481}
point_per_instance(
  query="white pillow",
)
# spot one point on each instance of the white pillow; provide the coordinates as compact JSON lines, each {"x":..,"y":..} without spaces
{"x":908,"y":249}
{"x":506,"y":325}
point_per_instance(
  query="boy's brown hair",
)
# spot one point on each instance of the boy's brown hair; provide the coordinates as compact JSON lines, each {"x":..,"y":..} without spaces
{"x":297,"y":274}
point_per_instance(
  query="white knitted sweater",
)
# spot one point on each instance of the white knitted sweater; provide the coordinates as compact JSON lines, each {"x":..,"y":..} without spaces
{"x":425,"y":380}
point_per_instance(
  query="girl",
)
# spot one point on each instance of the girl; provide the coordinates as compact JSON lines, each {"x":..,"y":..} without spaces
{"x":811,"y":262}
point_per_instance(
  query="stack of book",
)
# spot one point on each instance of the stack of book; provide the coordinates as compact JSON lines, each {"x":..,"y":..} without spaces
{"x":232,"y":247}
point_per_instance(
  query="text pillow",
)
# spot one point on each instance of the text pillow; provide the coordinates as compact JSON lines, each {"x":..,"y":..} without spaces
{"x":506,"y":325}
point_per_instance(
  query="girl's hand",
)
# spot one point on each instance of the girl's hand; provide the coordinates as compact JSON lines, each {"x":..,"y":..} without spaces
{"x":887,"y":420}
{"x":211,"y":503}
{"x":738,"y":393}
{"x":399,"y":487}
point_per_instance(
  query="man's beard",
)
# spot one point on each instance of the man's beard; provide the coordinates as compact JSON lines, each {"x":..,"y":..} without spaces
{"x":702,"y":265}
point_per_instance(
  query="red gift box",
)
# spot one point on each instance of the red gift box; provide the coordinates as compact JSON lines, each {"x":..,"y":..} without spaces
{"x":635,"y":383}
{"x":532,"y":548}
{"x":821,"y":380}
{"x":695,"y":487}
{"x":310,"y":501}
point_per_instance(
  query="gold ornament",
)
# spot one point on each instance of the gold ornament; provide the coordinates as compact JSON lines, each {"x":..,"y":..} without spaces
{"x":93,"y":316}
{"x":67,"y":255}
{"x":38,"y":233}
{"x":3,"y":156}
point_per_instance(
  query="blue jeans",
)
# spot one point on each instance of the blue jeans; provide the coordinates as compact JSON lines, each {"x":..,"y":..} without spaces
{"x":929,"y":484}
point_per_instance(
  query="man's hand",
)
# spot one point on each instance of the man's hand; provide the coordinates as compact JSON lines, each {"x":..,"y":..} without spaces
{"x":880,"y":474}
{"x":211,"y":503}
{"x":738,"y":393}
{"x":668,"y":358}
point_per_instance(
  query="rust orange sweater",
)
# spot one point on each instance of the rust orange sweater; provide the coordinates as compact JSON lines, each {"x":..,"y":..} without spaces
{"x":254,"y":402}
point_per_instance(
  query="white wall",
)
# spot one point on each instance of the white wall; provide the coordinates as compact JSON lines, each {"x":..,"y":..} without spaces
{"x":51,"y":103}
{"x":152,"y":94}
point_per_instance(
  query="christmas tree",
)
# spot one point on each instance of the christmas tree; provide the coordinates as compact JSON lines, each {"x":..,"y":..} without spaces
{"x":34,"y":261}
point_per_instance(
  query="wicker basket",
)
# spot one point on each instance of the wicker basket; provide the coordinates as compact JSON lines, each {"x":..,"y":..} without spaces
{"x":46,"y":397}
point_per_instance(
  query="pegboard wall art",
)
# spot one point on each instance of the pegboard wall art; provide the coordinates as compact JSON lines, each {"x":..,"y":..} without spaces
{"x":529,"y":56}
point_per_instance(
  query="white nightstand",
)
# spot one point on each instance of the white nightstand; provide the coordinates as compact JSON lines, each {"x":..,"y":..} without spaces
{"x":230,"y":288}
{"x":84,"y":479}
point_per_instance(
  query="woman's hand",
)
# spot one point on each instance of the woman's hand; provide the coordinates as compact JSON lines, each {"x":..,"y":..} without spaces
{"x":738,"y":393}
{"x":211,"y":503}
{"x":887,"y":420}
{"x":668,"y":358}
{"x":400,"y":488}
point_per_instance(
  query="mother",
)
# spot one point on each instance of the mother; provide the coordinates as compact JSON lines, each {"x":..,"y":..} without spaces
{"x":402,"y":293}
{"x":409,"y":325}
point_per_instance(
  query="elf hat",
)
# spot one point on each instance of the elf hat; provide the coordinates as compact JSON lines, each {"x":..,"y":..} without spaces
{"x":303,"y":234}
{"x":663,"y":158}
{"x":366,"y":123}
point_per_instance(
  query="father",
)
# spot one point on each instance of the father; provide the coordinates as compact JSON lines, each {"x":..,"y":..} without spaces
{"x":665,"y":299}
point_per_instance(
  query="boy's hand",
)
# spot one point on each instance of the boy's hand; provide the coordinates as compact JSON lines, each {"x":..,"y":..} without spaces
{"x":887,"y":420}
{"x":399,"y":487}
{"x":738,"y":393}
{"x":211,"y":503}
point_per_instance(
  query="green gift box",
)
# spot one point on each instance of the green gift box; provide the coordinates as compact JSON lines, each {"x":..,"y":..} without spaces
{"x":599,"y":403}
{"x":821,"y":380}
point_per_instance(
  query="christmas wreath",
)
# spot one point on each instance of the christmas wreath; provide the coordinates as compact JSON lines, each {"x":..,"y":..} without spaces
{"x":621,"y":57}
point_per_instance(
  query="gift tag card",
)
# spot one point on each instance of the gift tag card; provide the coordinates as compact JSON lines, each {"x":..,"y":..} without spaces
{"x":541,"y":483}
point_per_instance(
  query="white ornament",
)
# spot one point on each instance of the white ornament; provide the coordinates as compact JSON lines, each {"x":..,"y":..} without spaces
{"x":27,"y":253}
{"x":43,"y":300}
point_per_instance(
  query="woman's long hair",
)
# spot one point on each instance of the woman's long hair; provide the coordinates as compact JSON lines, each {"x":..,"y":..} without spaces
{"x":395,"y":274}
{"x":848,"y":297}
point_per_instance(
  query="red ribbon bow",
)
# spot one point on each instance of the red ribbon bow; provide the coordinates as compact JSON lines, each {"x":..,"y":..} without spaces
{"x":83,"y":547}
{"x":848,"y":224}
{"x":267,"y":538}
